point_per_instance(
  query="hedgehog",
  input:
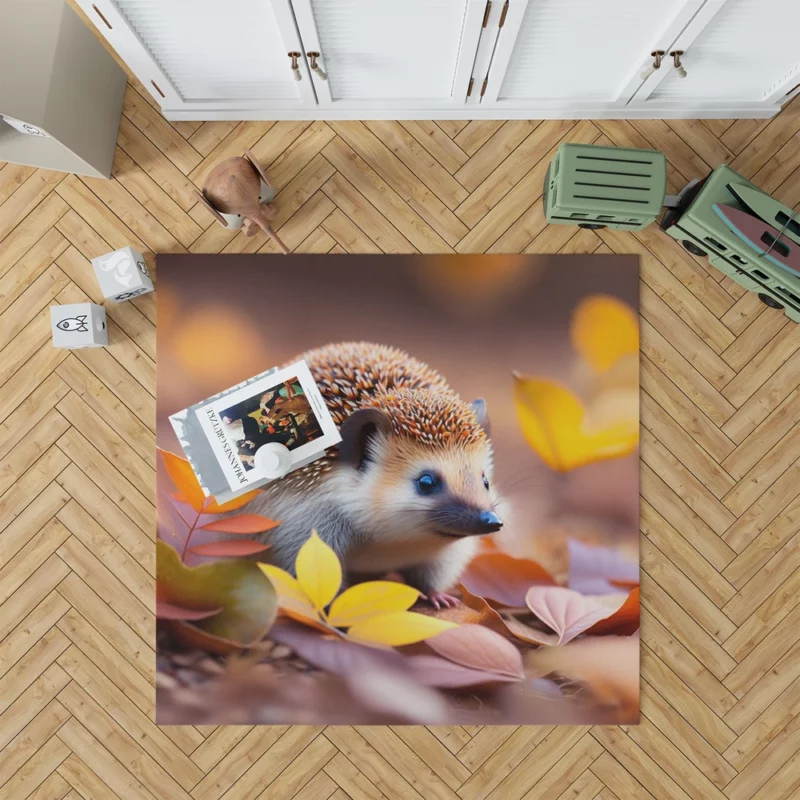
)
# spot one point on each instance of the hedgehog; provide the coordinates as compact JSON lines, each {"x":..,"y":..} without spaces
{"x":409,"y":487}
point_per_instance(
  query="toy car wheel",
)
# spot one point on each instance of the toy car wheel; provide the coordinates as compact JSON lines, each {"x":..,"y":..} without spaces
{"x":592,"y":226}
{"x":769,"y":301}
{"x":693,"y":248}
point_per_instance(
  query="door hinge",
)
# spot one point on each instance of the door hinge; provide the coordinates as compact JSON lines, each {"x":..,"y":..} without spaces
{"x":503,"y":15}
{"x":487,"y":12}
{"x":469,"y":88}
{"x":483,"y":88}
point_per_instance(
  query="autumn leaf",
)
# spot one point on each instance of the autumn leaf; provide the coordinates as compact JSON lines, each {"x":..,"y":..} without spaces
{"x":165,"y":610}
{"x":555,"y":425}
{"x":443,"y":674}
{"x":608,"y":666}
{"x":624,"y":621}
{"x":246,"y":598}
{"x":365,"y":600}
{"x":566,"y":612}
{"x":598,"y":570}
{"x":527,"y":633}
{"x":373,"y":612}
{"x":318,"y":571}
{"x":479,"y":648}
{"x":241,"y":524}
{"x":213,"y":507}
{"x":294,"y":603}
{"x":603,"y":330}
{"x":182,"y":475}
{"x":232,"y":548}
{"x":398,"y":628}
{"x":503,"y":579}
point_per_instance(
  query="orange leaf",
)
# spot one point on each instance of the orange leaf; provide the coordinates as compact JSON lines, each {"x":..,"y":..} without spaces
{"x":165,"y":610}
{"x":624,"y":621}
{"x":242,"y":524}
{"x":213,"y":507}
{"x":609,"y":667}
{"x":231,"y":548}
{"x":504,"y":623}
{"x":503,"y":579}
{"x":182,"y":475}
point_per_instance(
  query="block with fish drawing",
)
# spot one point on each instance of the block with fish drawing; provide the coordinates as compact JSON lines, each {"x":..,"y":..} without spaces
{"x":122,"y":274}
{"x":78,"y":325}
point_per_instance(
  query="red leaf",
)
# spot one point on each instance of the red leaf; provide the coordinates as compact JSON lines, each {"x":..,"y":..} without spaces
{"x":226,"y":549}
{"x":504,"y":579}
{"x":242,"y":524}
{"x":165,"y":610}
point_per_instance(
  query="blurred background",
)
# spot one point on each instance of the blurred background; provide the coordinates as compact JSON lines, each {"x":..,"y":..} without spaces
{"x":475,"y":319}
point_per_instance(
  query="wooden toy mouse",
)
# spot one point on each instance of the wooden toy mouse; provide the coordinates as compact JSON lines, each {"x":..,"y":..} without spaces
{"x":233,"y":189}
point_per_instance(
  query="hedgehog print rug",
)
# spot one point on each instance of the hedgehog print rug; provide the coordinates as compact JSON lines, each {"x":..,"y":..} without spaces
{"x":459,"y":546}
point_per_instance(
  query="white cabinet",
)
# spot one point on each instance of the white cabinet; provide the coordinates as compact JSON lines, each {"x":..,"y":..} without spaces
{"x":339,"y":59}
{"x":205,"y":56}
{"x":383,"y":53}
{"x":733,"y":51}
{"x":563,"y":53}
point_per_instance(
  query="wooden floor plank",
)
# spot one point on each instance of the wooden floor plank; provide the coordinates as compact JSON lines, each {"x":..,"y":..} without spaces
{"x":720,"y":508}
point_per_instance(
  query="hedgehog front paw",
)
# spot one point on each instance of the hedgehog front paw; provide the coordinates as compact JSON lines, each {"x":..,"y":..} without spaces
{"x":440,"y":600}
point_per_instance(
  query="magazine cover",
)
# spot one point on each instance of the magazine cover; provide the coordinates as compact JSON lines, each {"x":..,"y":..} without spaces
{"x":456,"y":542}
{"x":221,"y":436}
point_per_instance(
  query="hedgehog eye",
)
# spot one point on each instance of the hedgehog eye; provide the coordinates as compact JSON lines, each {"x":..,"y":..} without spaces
{"x":428,"y":483}
{"x":485,"y":481}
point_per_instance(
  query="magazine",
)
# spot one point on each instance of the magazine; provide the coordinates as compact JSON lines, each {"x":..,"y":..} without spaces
{"x":222,"y":434}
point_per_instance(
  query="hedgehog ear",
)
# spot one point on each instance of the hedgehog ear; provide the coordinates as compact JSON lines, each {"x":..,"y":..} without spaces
{"x":356,"y":432}
{"x":479,"y":408}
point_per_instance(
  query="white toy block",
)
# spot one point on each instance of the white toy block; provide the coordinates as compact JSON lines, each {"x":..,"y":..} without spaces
{"x":122,"y":274}
{"x":78,"y":325}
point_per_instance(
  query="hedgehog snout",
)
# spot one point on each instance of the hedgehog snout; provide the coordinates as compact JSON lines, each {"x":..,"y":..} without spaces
{"x":460,"y":519}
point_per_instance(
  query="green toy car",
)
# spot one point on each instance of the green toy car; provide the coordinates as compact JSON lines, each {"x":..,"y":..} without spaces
{"x":605,"y":187}
{"x":702,"y":232}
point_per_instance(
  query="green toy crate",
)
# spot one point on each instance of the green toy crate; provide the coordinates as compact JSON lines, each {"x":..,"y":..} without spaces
{"x":703,"y":233}
{"x":598,"y":187}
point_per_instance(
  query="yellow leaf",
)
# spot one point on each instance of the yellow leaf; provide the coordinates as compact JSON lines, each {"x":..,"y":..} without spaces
{"x":555,"y":426}
{"x":318,"y":571}
{"x":182,"y":475}
{"x":286,"y":585}
{"x":398,"y":628}
{"x":293,"y":601}
{"x":366,"y":600}
{"x":604,"y":330}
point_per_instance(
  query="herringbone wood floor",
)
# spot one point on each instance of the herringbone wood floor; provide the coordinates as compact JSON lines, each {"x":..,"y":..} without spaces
{"x":720,"y":468}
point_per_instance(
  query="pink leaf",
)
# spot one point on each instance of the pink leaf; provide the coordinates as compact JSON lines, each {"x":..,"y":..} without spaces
{"x":226,"y":549}
{"x":242,"y":524}
{"x":166,"y":610}
{"x":568,"y":613}
{"x":443,"y":674}
{"x":479,"y":648}
{"x":600,"y":570}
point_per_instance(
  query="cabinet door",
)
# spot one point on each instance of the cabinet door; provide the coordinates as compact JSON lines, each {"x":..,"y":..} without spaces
{"x":208,"y":54}
{"x":566,"y":54}
{"x":744,"y":51}
{"x":391,"y":53}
